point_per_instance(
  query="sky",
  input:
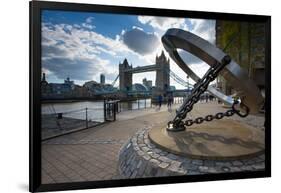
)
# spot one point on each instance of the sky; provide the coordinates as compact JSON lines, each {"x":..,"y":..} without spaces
{"x":82,"y":45}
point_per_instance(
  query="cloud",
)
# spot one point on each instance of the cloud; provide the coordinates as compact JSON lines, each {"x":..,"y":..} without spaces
{"x":88,"y":26}
{"x":88,"y":23}
{"x":189,"y":58}
{"x":163,"y":23}
{"x":77,"y":69}
{"x":140,"y":41}
{"x":74,"y":51}
{"x":89,"y":19}
{"x":204,"y":28}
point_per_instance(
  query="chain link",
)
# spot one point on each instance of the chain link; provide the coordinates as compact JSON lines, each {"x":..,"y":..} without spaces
{"x":199,"y":88}
{"x":209,"y":118}
{"x":219,"y":115}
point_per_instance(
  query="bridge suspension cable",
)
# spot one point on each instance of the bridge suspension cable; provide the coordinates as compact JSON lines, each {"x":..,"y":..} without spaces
{"x":178,"y":79}
{"x":115,"y":80}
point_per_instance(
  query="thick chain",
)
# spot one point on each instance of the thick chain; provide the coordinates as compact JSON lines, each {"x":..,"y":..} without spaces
{"x":199,"y":88}
{"x":219,"y":115}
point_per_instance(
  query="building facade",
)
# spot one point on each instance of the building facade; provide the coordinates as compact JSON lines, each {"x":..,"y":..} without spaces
{"x":147,"y":83}
{"x":245,"y":43}
{"x":102,"y":79}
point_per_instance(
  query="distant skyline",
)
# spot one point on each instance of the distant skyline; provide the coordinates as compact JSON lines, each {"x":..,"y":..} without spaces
{"x":82,"y":45}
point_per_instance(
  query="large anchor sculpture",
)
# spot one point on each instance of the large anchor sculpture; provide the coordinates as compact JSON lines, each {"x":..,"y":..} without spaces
{"x":250,"y":99}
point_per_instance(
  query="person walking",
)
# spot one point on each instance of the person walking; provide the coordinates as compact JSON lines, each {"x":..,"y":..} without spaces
{"x":170,"y":101}
{"x":160,"y":98}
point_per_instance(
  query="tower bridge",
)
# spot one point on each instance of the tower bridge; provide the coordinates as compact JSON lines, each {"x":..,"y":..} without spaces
{"x":162,"y":83}
{"x":161,"y":66}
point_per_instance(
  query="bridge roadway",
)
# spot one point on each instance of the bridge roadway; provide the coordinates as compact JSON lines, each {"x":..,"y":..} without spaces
{"x":141,"y":69}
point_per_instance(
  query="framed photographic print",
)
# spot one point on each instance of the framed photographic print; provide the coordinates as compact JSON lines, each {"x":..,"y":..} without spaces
{"x":126,"y":96}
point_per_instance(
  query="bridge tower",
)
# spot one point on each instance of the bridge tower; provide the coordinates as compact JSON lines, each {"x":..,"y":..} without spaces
{"x":125,"y":76}
{"x":162,"y":83}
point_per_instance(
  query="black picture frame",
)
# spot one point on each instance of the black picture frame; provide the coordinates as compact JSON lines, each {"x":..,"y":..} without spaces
{"x":35,"y":92}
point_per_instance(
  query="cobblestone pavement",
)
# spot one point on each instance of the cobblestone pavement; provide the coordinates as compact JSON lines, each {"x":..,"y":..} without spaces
{"x":92,"y":154}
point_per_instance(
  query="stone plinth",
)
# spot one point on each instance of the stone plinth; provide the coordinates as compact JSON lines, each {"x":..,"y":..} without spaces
{"x":140,"y":158}
{"x":219,"y":140}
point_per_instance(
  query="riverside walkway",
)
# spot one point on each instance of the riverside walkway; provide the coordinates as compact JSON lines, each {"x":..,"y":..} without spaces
{"x":92,"y":154}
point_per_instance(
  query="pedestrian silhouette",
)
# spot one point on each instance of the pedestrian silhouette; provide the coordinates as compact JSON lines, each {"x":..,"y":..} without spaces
{"x":170,"y":101}
{"x":159,"y":100}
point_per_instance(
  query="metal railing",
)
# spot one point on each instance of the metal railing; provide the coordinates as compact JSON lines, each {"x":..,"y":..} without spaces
{"x":139,"y":104}
{"x":55,"y":124}
{"x":58,"y":123}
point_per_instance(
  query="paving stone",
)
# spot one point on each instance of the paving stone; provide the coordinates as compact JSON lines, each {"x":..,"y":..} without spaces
{"x":155,"y":161}
{"x":172,"y":156}
{"x":175,"y":166}
{"x":197,"y":162}
{"x":134,"y":174}
{"x":163,"y":165}
{"x":154,"y":155}
{"x":141,"y":145}
{"x":163,"y":153}
{"x":237,"y":163}
{"x":186,"y":161}
{"x":176,"y":163}
{"x":247,"y":168}
{"x":259,"y":166}
{"x":223,"y":164}
{"x":157,"y":151}
{"x":136,"y":148}
{"x":235,"y":169}
{"x":182,"y":171}
{"x":146,"y":157}
{"x":161,"y":172}
{"x":140,"y":153}
{"x":145,"y":149}
{"x":249,"y":162}
{"x":142,"y":169}
{"x":147,"y":170}
{"x":257,"y":159}
{"x":209,"y":163}
{"x":153,"y":171}
{"x":225,"y":169}
{"x":150,"y":152}
{"x":193,"y":172}
{"x":203,"y":169}
{"x":164,"y":159}
{"x":139,"y":164}
{"x":128,"y":146}
{"x":213,"y":170}
{"x":190,"y":166}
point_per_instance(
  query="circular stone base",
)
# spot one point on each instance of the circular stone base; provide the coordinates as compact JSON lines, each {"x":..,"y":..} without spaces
{"x":217,"y":140}
{"x":139,"y":158}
